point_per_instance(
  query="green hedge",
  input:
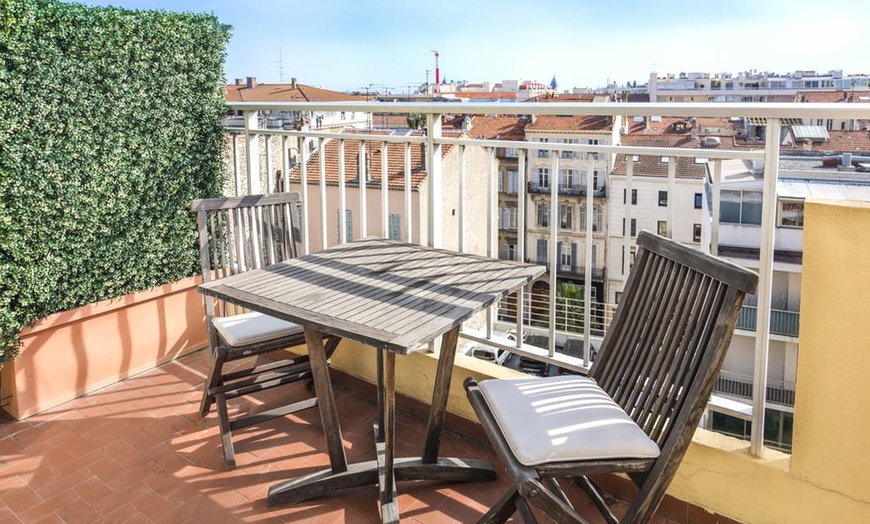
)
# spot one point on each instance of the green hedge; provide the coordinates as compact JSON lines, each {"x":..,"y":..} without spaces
{"x":109,"y":127}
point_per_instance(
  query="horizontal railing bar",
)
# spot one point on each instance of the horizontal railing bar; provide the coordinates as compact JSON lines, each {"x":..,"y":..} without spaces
{"x":756,"y":154}
{"x":686,"y":109}
{"x":326,"y":134}
{"x":527,"y":350}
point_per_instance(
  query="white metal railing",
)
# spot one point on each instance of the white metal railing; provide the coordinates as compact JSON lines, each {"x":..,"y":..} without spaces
{"x":570,"y":318}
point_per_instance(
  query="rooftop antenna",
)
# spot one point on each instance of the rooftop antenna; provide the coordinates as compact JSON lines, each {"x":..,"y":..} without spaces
{"x":280,"y":66}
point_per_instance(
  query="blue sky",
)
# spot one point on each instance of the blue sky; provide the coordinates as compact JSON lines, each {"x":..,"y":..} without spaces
{"x":347,"y":45}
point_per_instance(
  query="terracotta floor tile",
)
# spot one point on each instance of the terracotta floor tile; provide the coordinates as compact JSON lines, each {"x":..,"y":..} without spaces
{"x":139,"y":451}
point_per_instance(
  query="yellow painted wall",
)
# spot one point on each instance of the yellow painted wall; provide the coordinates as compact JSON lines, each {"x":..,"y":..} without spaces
{"x":827,"y":478}
{"x":832,"y":426}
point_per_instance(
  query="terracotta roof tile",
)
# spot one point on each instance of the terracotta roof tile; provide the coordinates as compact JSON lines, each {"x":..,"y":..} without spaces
{"x":651,"y":165}
{"x":395,"y":164}
{"x":498,"y":127}
{"x":487,"y":95}
{"x":570,"y":123}
{"x":840,"y":141}
{"x":285,"y":93}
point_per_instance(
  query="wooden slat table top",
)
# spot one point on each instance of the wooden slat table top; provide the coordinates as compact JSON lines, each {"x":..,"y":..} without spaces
{"x":384,"y":293}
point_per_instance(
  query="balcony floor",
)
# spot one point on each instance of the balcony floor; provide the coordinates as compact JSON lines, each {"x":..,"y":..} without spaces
{"x":138,"y":451}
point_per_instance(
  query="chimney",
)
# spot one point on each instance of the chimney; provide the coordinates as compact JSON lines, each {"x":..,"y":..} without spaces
{"x":240,"y":81}
{"x":252,"y":81}
{"x":293,"y":83}
{"x":466,"y":123}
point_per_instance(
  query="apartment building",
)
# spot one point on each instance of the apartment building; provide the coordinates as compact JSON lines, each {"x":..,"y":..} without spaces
{"x":569,"y":172}
{"x":663,"y":189}
{"x":845,"y":96}
{"x":748,"y":86}
{"x":364,"y":160}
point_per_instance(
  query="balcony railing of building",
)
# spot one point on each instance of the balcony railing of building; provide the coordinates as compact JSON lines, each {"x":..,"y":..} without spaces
{"x":568,"y":189}
{"x":740,"y":385}
{"x":785,"y":323}
{"x":376,"y":196}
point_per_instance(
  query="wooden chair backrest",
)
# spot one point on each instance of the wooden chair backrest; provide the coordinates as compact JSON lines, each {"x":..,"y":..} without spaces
{"x":665,"y":347}
{"x":238,"y":234}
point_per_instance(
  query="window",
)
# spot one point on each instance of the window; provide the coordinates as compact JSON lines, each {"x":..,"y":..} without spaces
{"x":512,"y":180}
{"x":597,"y":218}
{"x":510,"y":152}
{"x":634,"y":227}
{"x":500,"y":178}
{"x":542,"y":251}
{"x":569,"y":154}
{"x":543,"y":215}
{"x":617,"y":297}
{"x":543,"y":177}
{"x":663,"y":198}
{"x":565,"y":217}
{"x":507,"y":217}
{"x":662,"y":228}
{"x":509,"y":251}
{"x":633,"y":197}
{"x":791,"y":213}
{"x":592,"y":142}
{"x":740,"y":207}
{"x":395,"y":227}
{"x":543,"y":153}
{"x":348,"y":225}
{"x":566,"y":256}
{"x":696,"y":232}
{"x":663,"y":160}
{"x":342,"y":115}
{"x":567,"y":179}
{"x":697,"y":200}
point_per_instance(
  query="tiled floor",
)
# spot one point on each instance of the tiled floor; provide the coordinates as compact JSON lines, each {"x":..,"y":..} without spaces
{"x":139,"y":452}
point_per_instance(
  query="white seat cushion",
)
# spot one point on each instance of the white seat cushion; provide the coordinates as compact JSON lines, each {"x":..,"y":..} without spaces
{"x":250,"y":328}
{"x":567,"y":418}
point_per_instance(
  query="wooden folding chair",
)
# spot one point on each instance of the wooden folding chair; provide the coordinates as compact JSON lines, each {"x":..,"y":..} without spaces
{"x":238,"y":234}
{"x":644,"y":396}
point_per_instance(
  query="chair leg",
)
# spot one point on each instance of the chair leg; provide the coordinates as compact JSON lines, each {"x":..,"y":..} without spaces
{"x":502,"y":510}
{"x":548,"y":503}
{"x":594,"y":492}
{"x":213,"y":379}
{"x":226,"y":432}
{"x":525,"y":511}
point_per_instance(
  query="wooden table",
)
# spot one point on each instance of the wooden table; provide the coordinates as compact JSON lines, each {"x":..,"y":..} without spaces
{"x":396,"y":297}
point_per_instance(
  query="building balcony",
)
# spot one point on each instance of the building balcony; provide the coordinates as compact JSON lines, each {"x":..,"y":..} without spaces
{"x":568,"y":189}
{"x":138,"y":450}
{"x":785,"y":323}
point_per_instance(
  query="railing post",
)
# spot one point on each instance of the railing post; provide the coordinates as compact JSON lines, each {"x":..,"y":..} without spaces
{"x":521,"y":235}
{"x":765,"y":281}
{"x":554,"y":250}
{"x":252,"y":151}
{"x":435,"y":177}
{"x":587,"y":271}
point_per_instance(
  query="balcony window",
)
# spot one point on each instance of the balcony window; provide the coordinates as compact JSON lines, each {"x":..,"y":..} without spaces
{"x":740,"y":207}
{"x":567,"y":255}
{"x":597,"y":219}
{"x":543,"y":215}
{"x":565,"y":218}
{"x":543,"y":177}
{"x":542,"y":251}
{"x":663,"y":198}
{"x":698,"y":200}
{"x":791,"y":214}
{"x":567,"y":179}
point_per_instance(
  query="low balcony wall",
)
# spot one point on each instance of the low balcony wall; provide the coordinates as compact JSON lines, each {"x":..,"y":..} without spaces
{"x":825,"y":479}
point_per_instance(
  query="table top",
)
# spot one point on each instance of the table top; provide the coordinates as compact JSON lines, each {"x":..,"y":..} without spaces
{"x":384,"y":293}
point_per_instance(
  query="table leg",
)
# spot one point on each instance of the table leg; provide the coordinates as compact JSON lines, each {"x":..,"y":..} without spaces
{"x":438,"y":409}
{"x":387,"y":446}
{"x":326,"y":400}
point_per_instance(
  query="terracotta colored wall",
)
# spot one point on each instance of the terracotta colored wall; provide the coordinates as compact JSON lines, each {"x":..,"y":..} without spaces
{"x":76,"y":352}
